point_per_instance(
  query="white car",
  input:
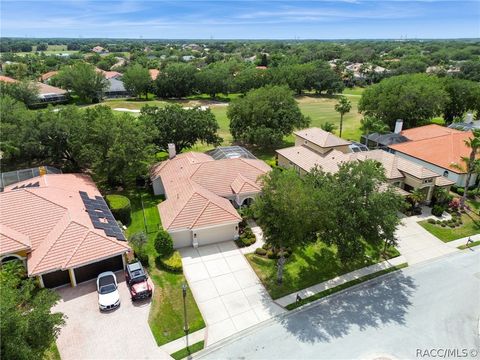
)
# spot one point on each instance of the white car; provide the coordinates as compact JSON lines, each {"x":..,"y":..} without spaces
{"x":108,"y":295}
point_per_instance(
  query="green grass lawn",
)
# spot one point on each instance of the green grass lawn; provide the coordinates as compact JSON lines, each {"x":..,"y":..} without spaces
{"x":309,"y":266}
{"x":166,"y":313}
{"x":52,"y":352}
{"x":471,"y":225}
{"x":181,"y":354}
{"x":353,"y":91}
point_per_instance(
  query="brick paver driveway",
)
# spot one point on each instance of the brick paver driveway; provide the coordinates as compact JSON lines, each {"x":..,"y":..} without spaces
{"x":89,"y":334}
{"x":227,"y":290}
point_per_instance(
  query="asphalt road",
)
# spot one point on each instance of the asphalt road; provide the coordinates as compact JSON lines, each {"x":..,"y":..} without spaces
{"x":426,"y":311}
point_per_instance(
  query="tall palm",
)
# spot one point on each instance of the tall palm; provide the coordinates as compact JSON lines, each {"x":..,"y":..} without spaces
{"x":418,"y":196}
{"x":471,"y":163}
{"x":370,"y":124}
{"x":343,"y":106}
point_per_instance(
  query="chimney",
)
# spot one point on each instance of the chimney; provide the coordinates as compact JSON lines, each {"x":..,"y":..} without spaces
{"x":469,"y":118}
{"x":398,"y":126}
{"x":171,"y":151}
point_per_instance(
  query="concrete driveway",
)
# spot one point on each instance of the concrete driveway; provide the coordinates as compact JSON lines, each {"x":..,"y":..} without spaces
{"x":89,"y":334}
{"x":227,"y":290}
{"x":417,"y":244}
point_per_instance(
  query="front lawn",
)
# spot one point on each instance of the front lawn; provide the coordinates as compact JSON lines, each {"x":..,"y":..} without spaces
{"x":309,"y":266}
{"x":166,"y":313}
{"x":470,"y":226}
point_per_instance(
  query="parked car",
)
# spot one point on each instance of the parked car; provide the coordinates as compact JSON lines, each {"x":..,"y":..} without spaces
{"x":107,"y":288}
{"x":137,"y":281}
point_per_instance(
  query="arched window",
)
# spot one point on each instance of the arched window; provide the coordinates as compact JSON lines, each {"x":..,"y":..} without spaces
{"x":11,"y":257}
{"x":445,"y":173}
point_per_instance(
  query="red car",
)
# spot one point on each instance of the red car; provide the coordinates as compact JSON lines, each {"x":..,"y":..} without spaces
{"x":138,"y":282}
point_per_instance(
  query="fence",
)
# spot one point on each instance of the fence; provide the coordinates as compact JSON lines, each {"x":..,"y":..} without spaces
{"x":12,"y":177}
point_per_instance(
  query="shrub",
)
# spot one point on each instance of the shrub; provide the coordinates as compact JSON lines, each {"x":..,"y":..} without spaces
{"x":172,"y":263}
{"x":142,"y":255}
{"x":438,"y":210}
{"x":439,"y":222}
{"x":443,"y":224}
{"x":120,"y":207}
{"x":271,"y":254}
{"x":138,"y":240}
{"x":164,"y":244}
{"x":452,"y":225}
{"x":266,"y":246}
{"x":260,"y":251}
{"x":431,"y":221}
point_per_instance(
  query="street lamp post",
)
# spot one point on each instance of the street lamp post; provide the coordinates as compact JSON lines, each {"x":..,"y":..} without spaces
{"x":185,"y":327}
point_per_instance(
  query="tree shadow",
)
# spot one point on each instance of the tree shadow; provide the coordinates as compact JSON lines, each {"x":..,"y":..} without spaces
{"x":377,"y":302}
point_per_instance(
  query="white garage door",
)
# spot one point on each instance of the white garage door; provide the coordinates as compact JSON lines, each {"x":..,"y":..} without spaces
{"x":216,"y":234}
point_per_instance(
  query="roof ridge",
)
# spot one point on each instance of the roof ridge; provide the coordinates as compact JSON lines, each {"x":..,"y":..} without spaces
{"x":76,"y":247}
{"x":15,"y":231}
{"x":31,"y":191}
{"x":201,"y":212}
{"x":45,"y":246}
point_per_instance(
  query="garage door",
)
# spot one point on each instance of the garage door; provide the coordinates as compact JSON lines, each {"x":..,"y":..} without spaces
{"x":215,"y":234}
{"x":91,"y":271}
{"x":56,"y":278}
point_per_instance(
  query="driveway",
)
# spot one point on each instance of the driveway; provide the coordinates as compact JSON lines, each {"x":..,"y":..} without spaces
{"x":417,"y":244}
{"x":423,"y":308}
{"x":89,"y":334}
{"x":229,"y":294}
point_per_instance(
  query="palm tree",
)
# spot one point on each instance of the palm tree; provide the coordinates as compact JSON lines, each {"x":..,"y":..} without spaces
{"x":417,"y":196}
{"x":471,"y":163}
{"x":328,"y":126}
{"x":370,"y":124}
{"x":343,"y":106}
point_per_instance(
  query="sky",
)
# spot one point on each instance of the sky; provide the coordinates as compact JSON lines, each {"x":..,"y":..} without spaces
{"x":242,"y":19}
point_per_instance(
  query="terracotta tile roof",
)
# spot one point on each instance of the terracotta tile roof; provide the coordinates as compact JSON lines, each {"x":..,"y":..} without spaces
{"x":196,"y":187}
{"x":427,"y":132}
{"x":7,"y":79}
{"x":53,"y":216}
{"x":48,"y":75}
{"x":49,"y":89}
{"x":12,"y":241}
{"x":321,"y":137}
{"x":108,"y":74}
{"x":443,"y":151}
{"x":443,"y":181}
{"x":154,"y":73}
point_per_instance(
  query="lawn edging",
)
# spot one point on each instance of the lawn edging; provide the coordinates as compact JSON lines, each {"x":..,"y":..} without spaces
{"x":465,"y":246}
{"x":183,"y":353}
{"x":343,"y":286}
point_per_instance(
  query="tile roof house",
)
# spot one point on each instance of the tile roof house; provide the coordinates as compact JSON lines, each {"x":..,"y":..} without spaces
{"x":202,"y":193}
{"x":437,"y":148}
{"x":48,"y":222}
{"x":154,"y":73}
{"x":404,"y":174}
{"x":46,"y":93}
{"x":46,"y":77}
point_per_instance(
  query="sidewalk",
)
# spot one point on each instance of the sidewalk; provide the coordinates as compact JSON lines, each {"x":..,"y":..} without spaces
{"x":339,"y":280}
{"x":257,"y":231}
{"x":462,"y":241}
{"x":181,"y":343}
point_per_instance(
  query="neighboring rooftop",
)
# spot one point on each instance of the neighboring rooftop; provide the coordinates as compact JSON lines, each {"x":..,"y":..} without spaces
{"x":48,"y":75}
{"x":436,"y":145}
{"x":321,"y":137}
{"x":154,"y":73}
{"x":50,"y":220}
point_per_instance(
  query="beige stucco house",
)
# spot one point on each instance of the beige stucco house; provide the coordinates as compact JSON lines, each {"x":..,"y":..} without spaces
{"x":316,"y":147}
{"x":202,"y":195}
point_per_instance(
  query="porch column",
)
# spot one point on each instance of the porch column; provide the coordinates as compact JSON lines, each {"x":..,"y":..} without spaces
{"x":124,"y":255}
{"x":40,"y":281}
{"x":430,"y":194}
{"x":73,"y":280}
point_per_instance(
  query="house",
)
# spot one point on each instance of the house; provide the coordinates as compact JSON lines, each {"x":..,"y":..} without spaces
{"x":47,"y":94}
{"x":99,"y":50}
{"x":154,"y":73}
{"x":188,"y":58}
{"x":109,"y":74}
{"x":437,"y":148}
{"x":116,"y":89}
{"x":202,"y":193}
{"x":316,"y":147}
{"x":45,"y":78}
{"x":61,"y":228}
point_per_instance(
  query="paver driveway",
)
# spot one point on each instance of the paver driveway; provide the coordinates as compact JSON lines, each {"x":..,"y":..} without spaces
{"x":89,"y":334}
{"x":227,"y":290}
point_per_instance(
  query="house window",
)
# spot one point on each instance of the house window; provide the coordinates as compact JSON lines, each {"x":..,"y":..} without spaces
{"x":445,"y":173}
{"x":428,"y":181}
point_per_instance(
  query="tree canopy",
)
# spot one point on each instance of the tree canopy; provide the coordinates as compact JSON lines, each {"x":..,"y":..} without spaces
{"x":28,"y":326}
{"x":137,"y":80}
{"x":413,"y":98}
{"x":83,"y":80}
{"x":182,"y":127}
{"x":176,"y":80}
{"x":265,"y":115}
